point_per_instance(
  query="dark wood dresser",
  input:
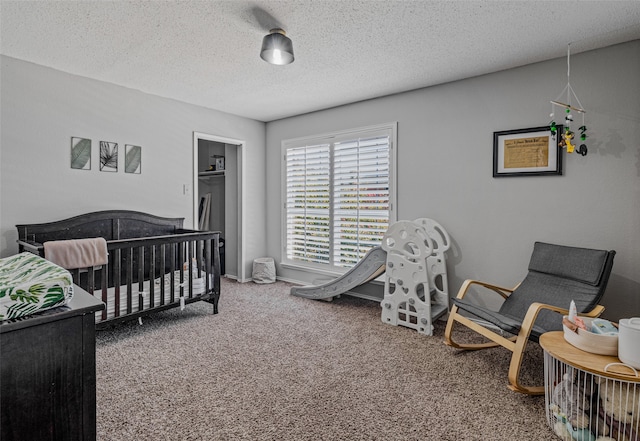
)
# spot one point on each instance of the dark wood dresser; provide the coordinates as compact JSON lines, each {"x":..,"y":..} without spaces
{"x":48,"y":373}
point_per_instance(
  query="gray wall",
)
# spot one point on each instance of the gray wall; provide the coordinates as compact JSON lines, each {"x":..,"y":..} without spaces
{"x":445,"y":145}
{"x":42,"y":108}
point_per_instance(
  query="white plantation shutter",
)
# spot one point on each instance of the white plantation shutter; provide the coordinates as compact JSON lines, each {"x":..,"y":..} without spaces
{"x":360,"y":197}
{"x":308,"y":204}
{"x":338,"y":192}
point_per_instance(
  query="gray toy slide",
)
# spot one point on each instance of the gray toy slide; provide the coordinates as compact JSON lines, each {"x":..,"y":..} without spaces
{"x":370,"y":266}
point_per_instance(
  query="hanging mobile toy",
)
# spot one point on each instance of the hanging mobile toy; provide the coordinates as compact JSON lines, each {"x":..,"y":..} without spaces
{"x":583,"y":135}
{"x":568,"y":135}
{"x":553,"y":128}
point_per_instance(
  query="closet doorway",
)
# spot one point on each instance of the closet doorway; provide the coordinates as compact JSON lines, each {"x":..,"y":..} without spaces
{"x":218,"y":181}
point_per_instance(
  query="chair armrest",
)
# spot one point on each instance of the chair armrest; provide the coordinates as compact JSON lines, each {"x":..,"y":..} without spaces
{"x":536,"y":307}
{"x":530,"y":318}
{"x":539,"y":306}
{"x":595,"y":312}
{"x":502,"y":291}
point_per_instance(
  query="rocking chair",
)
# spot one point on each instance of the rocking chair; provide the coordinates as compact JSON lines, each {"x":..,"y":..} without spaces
{"x":557,"y":275}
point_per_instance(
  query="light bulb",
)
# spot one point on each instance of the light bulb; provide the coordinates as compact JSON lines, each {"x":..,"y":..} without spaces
{"x":277,"y":56}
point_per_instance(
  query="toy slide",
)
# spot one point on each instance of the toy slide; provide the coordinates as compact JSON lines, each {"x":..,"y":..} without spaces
{"x":412,"y":256}
{"x":370,"y":266}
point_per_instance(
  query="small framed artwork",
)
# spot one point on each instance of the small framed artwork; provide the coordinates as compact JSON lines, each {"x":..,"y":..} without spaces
{"x":80,"y":153}
{"x":132,"y":159}
{"x":527,"y":152}
{"x":108,"y":156}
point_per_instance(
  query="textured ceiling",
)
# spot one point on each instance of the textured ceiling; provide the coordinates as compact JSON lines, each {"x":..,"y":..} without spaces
{"x":207,"y":52}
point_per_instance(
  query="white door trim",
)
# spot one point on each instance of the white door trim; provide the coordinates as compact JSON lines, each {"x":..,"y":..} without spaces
{"x":240,"y":144}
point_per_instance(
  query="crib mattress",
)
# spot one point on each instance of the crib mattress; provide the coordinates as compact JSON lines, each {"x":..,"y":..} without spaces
{"x":198,"y":288}
{"x":29,"y":283}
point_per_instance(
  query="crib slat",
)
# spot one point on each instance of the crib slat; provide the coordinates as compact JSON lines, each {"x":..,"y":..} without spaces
{"x":172,"y":274}
{"x":140,"y":278}
{"x":181,"y":252}
{"x":152,"y":275}
{"x":129,"y":272}
{"x":117,"y":280}
{"x":75,"y":275}
{"x":163,"y":266}
{"x":208,"y":243}
{"x":198,"y":257}
{"x":190,"y":267}
{"x":91,"y":279}
{"x":105,"y":292}
{"x":216,"y":272}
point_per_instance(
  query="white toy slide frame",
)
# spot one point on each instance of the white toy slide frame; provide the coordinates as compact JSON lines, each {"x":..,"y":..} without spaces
{"x":416,"y":287}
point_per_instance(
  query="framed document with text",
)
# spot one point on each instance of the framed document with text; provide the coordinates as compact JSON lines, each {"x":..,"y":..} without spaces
{"x":527,"y":152}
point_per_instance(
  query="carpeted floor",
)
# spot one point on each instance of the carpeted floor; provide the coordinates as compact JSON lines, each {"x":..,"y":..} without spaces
{"x":272,"y":366}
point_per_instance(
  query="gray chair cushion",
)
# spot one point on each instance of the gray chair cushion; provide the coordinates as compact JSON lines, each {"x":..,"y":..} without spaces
{"x":580,"y":264}
{"x":505,"y":322}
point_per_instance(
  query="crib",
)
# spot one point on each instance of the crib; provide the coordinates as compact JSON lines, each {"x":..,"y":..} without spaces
{"x":153,"y":263}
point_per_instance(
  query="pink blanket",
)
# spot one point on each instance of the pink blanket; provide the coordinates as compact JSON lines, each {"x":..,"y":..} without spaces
{"x":77,"y":253}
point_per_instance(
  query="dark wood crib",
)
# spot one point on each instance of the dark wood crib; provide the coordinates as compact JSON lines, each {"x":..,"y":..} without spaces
{"x":153,"y":262}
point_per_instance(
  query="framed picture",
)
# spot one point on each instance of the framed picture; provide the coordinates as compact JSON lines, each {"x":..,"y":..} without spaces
{"x":108,"y":156}
{"x":527,"y":152}
{"x":132,"y":159}
{"x":80,"y":153}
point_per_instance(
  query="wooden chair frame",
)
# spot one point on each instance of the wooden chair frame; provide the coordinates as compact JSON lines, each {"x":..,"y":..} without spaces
{"x":515,"y":344}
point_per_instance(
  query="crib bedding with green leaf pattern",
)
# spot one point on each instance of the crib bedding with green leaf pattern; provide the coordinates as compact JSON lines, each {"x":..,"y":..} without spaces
{"x":29,"y":283}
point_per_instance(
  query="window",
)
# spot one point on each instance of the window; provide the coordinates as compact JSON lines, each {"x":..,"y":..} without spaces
{"x":339,"y":192}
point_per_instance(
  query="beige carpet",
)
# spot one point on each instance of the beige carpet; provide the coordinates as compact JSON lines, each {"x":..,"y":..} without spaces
{"x":272,"y":366}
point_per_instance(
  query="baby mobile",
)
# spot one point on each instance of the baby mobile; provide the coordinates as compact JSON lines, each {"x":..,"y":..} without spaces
{"x":567,"y":133}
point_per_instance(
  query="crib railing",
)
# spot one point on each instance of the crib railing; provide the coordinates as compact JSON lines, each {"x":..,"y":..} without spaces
{"x":154,"y":273}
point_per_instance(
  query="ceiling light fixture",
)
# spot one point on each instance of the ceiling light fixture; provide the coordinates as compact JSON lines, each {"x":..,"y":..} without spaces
{"x":277,"y":48}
